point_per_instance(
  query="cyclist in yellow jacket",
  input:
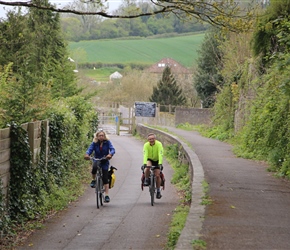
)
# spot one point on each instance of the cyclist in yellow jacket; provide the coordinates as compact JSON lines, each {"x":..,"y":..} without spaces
{"x":153,"y":156}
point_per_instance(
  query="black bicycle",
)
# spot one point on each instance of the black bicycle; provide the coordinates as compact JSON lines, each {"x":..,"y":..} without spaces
{"x":99,"y":186}
{"x":152,"y":182}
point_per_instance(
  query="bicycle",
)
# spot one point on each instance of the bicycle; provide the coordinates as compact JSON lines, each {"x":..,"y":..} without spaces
{"x":99,"y":186}
{"x":152,"y":182}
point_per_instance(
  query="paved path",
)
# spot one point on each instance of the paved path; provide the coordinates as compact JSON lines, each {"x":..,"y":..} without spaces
{"x":250,"y":207}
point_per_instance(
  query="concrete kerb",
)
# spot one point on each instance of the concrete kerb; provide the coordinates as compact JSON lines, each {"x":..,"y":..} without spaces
{"x":193,"y":225}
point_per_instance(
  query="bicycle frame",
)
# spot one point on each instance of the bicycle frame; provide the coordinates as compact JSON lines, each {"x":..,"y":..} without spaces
{"x":152,"y":185}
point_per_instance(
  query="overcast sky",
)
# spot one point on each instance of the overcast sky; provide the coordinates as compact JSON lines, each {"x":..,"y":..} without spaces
{"x":113,"y":4}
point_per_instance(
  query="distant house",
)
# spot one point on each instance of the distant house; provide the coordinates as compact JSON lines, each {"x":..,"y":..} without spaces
{"x":176,"y":68}
{"x":115,"y":76}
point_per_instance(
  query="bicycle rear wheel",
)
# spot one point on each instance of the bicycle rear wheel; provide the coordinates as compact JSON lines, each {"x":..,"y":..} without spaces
{"x":152,"y":189}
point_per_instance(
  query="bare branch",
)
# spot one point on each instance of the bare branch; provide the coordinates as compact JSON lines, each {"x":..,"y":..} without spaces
{"x":224,"y":13}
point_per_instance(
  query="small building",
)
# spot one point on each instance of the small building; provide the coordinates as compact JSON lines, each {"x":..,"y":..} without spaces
{"x":115,"y":76}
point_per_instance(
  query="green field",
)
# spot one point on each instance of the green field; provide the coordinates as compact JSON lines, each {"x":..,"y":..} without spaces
{"x":182,"y":49}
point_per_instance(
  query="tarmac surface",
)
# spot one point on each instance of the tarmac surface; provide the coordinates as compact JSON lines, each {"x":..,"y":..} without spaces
{"x":250,"y":207}
{"x":249,"y":210}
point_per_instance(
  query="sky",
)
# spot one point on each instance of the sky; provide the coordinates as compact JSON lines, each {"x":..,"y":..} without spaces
{"x":113,"y":4}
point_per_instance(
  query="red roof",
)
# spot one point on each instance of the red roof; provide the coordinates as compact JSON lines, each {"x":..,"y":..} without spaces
{"x":175,"y":67}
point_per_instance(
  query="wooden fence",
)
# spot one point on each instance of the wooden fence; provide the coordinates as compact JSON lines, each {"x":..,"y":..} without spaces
{"x":34,"y":137}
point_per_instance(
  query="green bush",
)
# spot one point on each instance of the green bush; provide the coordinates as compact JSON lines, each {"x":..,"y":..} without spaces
{"x":266,"y":136}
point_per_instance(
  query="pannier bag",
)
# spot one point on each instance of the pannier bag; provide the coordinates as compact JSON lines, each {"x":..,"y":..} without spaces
{"x":112,"y":177}
{"x":162,"y":179}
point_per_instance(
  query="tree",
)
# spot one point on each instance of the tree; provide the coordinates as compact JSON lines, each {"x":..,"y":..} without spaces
{"x":83,"y":25}
{"x":13,"y":39}
{"x":38,"y":50}
{"x":34,"y":58}
{"x":71,"y":28}
{"x":208,"y":77}
{"x":223,"y":13}
{"x":73,"y":25}
{"x":167,"y":92}
{"x":22,"y":100}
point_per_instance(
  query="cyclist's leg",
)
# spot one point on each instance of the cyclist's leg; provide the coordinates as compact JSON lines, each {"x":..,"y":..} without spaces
{"x":147,"y":169}
{"x":158,"y":178}
{"x":158,"y":181}
{"x":94,"y":171}
{"x":106,"y":184}
{"x":147,"y":172}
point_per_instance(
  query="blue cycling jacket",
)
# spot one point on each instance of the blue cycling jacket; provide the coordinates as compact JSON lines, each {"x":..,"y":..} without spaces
{"x":107,"y":148}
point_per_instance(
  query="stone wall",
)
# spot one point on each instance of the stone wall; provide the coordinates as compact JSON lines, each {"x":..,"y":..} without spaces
{"x":162,"y":119}
{"x":193,"y":116}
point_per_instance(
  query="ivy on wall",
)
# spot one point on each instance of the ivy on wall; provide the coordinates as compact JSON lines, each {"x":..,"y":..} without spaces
{"x":22,"y":181}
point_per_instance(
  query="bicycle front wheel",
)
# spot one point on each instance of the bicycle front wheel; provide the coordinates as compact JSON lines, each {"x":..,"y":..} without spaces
{"x":101,"y":188}
{"x":98,"y":192}
{"x":152,"y":189}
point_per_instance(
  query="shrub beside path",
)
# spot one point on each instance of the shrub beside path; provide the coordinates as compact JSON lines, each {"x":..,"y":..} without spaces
{"x":250,"y":207}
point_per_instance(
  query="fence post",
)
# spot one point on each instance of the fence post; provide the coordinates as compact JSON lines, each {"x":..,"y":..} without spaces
{"x":46,"y":131}
{"x":30,"y":131}
{"x":117,"y":120}
{"x":34,"y":135}
{"x":5,"y":160}
{"x":130,"y":121}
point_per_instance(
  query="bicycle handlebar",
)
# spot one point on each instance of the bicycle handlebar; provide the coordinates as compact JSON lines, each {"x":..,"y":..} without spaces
{"x":152,"y":167}
{"x":98,"y":159}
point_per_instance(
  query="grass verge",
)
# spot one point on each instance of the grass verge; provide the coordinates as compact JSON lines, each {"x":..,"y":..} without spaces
{"x":181,"y":180}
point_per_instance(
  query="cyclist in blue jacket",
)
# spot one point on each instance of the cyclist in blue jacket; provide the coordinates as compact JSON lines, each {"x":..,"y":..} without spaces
{"x":101,"y":146}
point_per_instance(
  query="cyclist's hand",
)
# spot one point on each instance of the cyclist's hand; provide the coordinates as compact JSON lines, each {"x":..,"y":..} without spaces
{"x":160,"y":166}
{"x":109,"y":156}
{"x":87,"y":157}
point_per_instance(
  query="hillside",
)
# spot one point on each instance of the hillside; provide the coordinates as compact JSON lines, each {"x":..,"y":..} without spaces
{"x":183,"y":49}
